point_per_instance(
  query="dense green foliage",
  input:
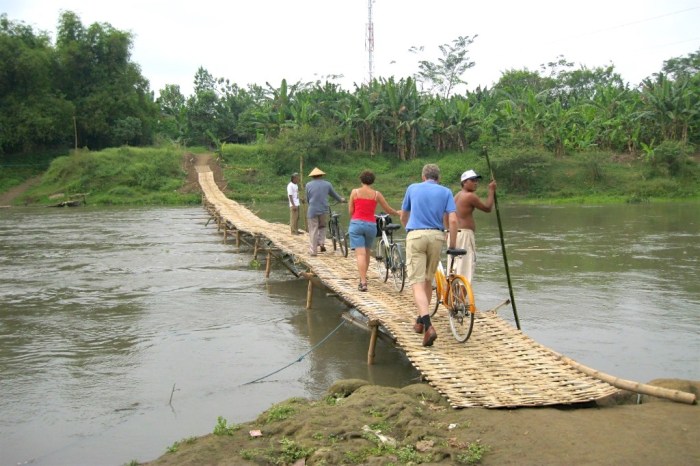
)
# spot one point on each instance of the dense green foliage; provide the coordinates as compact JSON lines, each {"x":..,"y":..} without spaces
{"x":84,"y":91}
{"x":560,"y":110}
{"x":88,"y":75}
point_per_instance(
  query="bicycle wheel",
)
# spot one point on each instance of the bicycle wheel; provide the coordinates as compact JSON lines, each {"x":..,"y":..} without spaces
{"x":398,"y":267}
{"x":439,"y":285}
{"x":381,"y":256}
{"x":342,"y":241}
{"x":462,"y":309}
{"x":333,"y":231}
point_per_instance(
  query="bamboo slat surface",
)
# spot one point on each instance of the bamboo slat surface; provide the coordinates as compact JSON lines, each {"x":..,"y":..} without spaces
{"x":498,"y":367}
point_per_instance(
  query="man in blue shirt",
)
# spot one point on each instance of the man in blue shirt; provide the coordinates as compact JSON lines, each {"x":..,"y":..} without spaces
{"x":427,"y":209}
{"x":317,"y":192}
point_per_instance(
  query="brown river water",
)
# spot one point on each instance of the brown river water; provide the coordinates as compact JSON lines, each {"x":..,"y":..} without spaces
{"x":124,"y":330}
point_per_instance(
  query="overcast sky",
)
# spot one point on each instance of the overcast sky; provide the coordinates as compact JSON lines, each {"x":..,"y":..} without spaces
{"x":258,"y":41}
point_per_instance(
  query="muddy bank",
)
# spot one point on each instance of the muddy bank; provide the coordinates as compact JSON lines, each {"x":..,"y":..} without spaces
{"x":359,"y":423}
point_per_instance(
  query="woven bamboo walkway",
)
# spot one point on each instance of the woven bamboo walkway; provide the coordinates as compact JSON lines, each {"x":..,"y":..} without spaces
{"x":498,"y":367}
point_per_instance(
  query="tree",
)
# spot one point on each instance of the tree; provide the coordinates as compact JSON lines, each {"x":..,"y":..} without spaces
{"x":172,"y":122}
{"x":447,"y":72}
{"x":96,"y":74}
{"x":33,"y":115}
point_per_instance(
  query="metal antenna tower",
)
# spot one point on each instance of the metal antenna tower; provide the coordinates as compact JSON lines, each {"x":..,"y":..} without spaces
{"x":369,"y":45}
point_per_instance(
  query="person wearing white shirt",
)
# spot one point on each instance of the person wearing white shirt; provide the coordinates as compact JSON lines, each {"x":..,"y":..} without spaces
{"x":293,"y":196}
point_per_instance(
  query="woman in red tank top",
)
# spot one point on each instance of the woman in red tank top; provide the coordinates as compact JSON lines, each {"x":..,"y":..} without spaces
{"x":363,"y":228}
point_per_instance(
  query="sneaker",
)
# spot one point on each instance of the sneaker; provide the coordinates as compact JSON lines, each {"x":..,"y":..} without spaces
{"x":323,"y":249}
{"x":418,"y":327}
{"x":430,"y":336}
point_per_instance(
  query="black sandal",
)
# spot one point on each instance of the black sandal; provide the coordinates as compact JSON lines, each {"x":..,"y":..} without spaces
{"x":362,"y":286}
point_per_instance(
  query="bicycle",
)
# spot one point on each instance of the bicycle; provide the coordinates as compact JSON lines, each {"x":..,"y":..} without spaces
{"x":390,"y":258}
{"x":336,"y":233}
{"x":455,"y":293}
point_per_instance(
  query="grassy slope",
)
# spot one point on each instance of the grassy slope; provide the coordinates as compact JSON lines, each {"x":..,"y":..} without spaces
{"x":583,"y":178}
{"x":151,"y":176}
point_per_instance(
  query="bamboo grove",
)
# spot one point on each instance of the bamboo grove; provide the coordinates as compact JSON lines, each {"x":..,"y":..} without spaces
{"x":86,"y":91}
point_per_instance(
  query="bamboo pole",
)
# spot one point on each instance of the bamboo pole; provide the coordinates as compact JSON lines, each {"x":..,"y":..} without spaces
{"x":309,"y":294}
{"x":637,"y":387}
{"x":503,"y":245}
{"x":267,"y":264}
{"x":374,"y":328}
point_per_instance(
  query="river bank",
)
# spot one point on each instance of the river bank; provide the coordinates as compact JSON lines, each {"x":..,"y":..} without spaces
{"x":360,"y":423}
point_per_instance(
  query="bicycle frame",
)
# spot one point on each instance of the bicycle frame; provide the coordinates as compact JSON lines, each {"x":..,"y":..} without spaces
{"x":390,"y":258}
{"x":335,"y":231}
{"x":460,"y":306}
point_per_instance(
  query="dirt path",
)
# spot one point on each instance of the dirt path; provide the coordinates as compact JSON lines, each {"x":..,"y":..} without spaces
{"x":8,"y":197}
{"x":191,"y":161}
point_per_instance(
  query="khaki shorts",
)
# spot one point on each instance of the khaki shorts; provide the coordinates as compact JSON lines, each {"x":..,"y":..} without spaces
{"x":423,"y":251}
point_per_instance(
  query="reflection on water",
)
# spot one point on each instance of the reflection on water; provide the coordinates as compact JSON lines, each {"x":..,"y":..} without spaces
{"x":107,"y":313}
{"x":125,"y":330}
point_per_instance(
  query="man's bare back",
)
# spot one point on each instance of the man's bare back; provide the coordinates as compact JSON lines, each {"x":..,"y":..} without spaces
{"x":467,"y":200}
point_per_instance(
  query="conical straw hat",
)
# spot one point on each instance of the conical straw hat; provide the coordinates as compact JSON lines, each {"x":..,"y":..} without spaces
{"x":317,"y":172}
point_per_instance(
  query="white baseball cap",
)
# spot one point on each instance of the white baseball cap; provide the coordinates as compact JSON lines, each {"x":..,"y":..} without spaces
{"x":469,"y":175}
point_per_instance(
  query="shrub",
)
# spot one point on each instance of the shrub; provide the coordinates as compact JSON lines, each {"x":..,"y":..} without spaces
{"x":524,"y":171}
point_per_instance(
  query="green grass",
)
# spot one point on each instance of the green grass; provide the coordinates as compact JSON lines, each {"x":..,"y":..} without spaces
{"x":121,"y":176}
{"x":254,"y":173}
{"x":260,"y":172}
{"x":223,"y":428}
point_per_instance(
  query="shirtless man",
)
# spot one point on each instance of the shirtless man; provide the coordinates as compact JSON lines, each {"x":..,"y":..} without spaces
{"x":466,"y":201}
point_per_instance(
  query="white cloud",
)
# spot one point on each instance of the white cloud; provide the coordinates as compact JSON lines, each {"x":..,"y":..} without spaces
{"x":268,"y":40}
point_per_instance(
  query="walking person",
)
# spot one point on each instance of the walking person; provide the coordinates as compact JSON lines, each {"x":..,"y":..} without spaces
{"x":317,"y":192}
{"x":466,"y":201}
{"x":294,"y":203}
{"x":363,"y":227}
{"x":427,"y":209}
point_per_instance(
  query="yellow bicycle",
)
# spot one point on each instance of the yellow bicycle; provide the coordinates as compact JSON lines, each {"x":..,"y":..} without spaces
{"x":455,"y":293}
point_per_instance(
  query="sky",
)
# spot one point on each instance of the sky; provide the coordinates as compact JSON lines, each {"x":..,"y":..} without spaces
{"x":261,"y":41}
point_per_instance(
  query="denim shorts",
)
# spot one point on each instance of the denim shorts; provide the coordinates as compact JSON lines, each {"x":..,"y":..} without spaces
{"x":362,"y":234}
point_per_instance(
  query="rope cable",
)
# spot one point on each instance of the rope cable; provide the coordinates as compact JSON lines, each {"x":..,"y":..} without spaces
{"x":299,"y":359}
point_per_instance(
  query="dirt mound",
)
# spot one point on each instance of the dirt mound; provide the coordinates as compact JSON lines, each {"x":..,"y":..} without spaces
{"x":360,"y":423}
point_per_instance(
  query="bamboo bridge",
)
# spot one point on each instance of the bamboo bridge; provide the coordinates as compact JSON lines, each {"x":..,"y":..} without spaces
{"x":498,"y":367}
